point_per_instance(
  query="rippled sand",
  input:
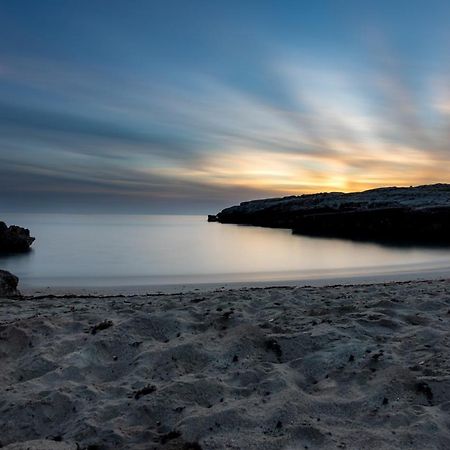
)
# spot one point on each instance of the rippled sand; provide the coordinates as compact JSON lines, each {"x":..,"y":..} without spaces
{"x":351,"y":367}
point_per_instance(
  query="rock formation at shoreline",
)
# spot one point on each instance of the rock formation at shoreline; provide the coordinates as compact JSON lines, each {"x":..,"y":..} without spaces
{"x":14,"y":239}
{"x":416,"y":214}
{"x":8,"y":284}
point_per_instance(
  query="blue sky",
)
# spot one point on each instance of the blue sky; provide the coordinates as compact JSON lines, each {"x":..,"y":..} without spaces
{"x":177,"y":106}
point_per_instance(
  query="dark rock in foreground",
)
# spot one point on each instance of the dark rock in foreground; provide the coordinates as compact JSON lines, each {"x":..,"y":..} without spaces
{"x":415,"y":214}
{"x":8,"y":284}
{"x":14,"y":239}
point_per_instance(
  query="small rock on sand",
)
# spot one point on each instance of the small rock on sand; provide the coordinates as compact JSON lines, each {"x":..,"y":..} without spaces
{"x":8,"y":284}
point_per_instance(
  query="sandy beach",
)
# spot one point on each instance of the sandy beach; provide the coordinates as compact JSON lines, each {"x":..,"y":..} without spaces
{"x":350,"y":367}
{"x":224,"y":225}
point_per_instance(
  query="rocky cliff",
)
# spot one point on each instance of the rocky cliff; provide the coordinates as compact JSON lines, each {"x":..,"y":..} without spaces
{"x":416,"y":214}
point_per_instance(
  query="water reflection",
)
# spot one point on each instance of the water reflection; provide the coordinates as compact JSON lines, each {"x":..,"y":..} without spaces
{"x":21,"y":259}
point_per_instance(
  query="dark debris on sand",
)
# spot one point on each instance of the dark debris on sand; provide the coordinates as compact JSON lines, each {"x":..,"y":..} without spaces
{"x":149,"y":389}
{"x":101,"y":326}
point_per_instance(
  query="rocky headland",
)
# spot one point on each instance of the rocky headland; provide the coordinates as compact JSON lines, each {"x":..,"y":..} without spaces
{"x":414,"y":214}
{"x":14,"y":239}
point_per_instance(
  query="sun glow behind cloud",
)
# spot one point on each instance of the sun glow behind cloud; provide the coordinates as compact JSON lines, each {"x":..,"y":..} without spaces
{"x":331,"y":137}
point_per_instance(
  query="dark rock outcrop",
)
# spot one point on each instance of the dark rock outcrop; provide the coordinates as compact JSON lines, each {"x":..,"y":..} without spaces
{"x":416,"y":214}
{"x":14,"y":239}
{"x":212,"y":218}
{"x":8,"y":284}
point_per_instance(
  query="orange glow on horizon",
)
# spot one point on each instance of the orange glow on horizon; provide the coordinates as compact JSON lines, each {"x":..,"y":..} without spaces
{"x":281,"y":173}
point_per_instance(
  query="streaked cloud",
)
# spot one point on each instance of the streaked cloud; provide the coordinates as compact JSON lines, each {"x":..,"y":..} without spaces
{"x":289,"y":120}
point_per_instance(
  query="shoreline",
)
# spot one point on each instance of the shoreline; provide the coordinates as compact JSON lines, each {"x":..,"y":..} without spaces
{"x":175,"y":290}
{"x":268,"y":368}
{"x":136,"y":288}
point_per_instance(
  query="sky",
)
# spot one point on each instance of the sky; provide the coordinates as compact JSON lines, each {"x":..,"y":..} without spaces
{"x":171,"y":106}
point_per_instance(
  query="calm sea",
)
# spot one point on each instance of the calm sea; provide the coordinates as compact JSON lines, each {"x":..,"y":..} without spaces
{"x":121,"y":250}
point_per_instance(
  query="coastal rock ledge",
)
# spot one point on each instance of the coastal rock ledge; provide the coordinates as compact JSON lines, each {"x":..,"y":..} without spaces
{"x":415,"y":214}
{"x":14,"y":239}
{"x":8,"y":284}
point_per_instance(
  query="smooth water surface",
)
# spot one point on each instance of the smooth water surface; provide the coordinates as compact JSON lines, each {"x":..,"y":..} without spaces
{"x":119,"y":250}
